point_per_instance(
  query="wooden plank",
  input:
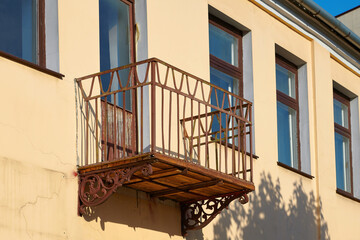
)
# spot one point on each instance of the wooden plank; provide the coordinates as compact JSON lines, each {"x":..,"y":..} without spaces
{"x":128,"y":162}
{"x":206,"y":172}
{"x":186,"y":188}
{"x":167,"y":185}
{"x":215,"y":190}
{"x":157,"y":173}
{"x":198,"y":176}
{"x":133,"y":180}
{"x":232,"y":187}
{"x":165,"y":172}
{"x":146,"y":186}
{"x":181,"y":197}
{"x":163,"y":165}
{"x":177,"y":181}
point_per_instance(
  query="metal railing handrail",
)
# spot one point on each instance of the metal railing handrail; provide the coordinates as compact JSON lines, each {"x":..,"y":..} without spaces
{"x":80,"y":79}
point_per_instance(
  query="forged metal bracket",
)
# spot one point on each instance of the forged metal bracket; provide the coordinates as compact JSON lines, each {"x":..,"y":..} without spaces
{"x":96,"y":188}
{"x":196,"y":215}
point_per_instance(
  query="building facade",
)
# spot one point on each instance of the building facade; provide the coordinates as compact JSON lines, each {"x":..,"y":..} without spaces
{"x":229,"y":120}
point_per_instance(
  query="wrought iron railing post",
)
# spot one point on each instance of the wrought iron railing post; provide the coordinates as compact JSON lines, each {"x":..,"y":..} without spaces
{"x":153,"y":110}
{"x":87,"y":133}
{"x":251,"y":143}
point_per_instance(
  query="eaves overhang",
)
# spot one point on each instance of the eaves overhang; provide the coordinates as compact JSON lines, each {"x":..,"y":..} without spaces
{"x":323,"y":17}
{"x":315,"y":22}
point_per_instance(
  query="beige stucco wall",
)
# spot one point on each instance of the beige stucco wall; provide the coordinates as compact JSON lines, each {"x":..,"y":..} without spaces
{"x":39,"y":133}
{"x":175,"y":33}
{"x":38,"y":156}
{"x":288,"y":190}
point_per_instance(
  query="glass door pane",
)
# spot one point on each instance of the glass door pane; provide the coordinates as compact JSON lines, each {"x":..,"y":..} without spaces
{"x":115,"y":45}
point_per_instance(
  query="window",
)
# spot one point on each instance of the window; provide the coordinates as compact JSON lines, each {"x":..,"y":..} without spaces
{"x":116,"y":44}
{"x":23,"y":29}
{"x":225,"y":64}
{"x":342,"y":142}
{"x":287,"y":113}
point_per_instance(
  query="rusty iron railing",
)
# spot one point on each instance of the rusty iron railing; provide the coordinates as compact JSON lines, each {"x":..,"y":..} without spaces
{"x":154,"y":107}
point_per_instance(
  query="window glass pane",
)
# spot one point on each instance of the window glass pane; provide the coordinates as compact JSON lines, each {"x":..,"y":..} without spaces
{"x":341,"y":113}
{"x":224,"y":81}
{"x":223,"y":45}
{"x":287,"y":135}
{"x":285,"y":81}
{"x":342,"y":153}
{"x":228,"y":83}
{"x":115,"y":45}
{"x":18,"y":28}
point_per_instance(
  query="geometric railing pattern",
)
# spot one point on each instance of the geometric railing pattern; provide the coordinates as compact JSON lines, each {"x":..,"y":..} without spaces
{"x":151,"y":107}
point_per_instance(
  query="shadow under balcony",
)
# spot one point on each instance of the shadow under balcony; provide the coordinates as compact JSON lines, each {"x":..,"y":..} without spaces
{"x":153,"y":127}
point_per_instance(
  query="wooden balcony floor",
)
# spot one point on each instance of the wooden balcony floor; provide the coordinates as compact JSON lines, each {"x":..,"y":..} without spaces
{"x":173,"y":178}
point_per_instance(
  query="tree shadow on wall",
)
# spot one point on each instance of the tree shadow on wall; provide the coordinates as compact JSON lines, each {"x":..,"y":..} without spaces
{"x":269,"y":217}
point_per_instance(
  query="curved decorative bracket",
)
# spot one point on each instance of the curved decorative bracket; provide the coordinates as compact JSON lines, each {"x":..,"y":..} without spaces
{"x":96,"y":188}
{"x":198,"y":214}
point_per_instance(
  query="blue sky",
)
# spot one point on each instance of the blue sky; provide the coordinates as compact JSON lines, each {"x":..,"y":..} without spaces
{"x":336,"y":7}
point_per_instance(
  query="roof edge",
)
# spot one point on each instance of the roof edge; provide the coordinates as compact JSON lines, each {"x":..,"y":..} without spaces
{"x":315,"y":10}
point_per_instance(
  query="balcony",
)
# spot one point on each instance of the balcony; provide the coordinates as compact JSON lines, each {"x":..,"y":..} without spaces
{"x":153,"y":127}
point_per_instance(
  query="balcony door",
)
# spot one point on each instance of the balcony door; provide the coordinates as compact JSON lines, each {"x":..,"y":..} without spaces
{"x":116,"y":49}
{"x":225,"y":72}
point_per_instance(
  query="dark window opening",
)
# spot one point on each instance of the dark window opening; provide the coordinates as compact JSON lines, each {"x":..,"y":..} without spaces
{"x":23,"y":29}
{"x":116,"y":46}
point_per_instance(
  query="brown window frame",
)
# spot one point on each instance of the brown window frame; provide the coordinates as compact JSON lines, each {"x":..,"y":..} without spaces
{"x":223,"y":66}
{"x":346,"y":132}
{"x":132,"y":27}
{"x":291,"y":102}
{"x":41,"y":51}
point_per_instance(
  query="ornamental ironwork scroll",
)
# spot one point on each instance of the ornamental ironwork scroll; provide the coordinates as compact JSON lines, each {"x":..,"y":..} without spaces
{"x":198,"y":214}
{"x":96,"y":188}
